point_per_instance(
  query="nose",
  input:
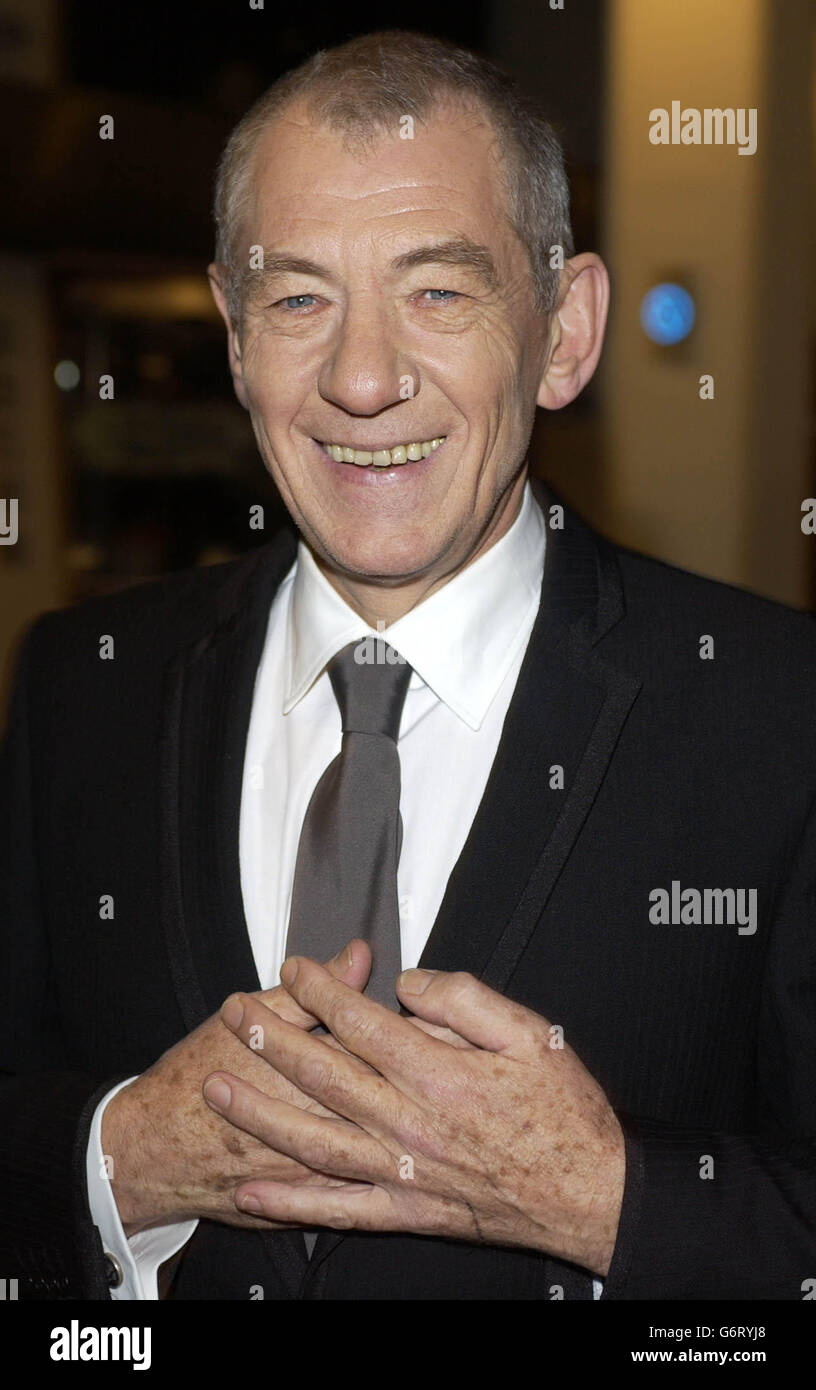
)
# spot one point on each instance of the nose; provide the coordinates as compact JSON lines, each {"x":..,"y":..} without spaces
{"x":364,"y":371}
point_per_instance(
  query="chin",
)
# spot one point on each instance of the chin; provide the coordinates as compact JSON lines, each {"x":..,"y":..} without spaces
{"x":384,"y":560}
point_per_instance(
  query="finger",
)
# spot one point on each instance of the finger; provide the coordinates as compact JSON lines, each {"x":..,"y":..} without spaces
{"x":333,"y":1147}
{"x":435,"y":1030}
{"x":470,"y":1008}
{"x":337,"y":1079}
{"x":352,"y":965}
{"x":355,"y":1206}
{"x":378,"y":1035}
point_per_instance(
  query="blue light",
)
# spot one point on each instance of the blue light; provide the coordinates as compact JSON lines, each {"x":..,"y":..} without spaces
{"x":667,"y":314}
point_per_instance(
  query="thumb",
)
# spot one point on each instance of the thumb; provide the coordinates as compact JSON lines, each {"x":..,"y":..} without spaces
{"x":351,"y":965}
{"x":468,"y":1007}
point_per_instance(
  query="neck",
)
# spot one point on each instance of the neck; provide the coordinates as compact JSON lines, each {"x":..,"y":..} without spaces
{"x":384,"y":601}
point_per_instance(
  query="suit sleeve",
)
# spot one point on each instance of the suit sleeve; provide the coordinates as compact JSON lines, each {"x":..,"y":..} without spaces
{"x":48,"y":1242}
{"x":713,"y":1215}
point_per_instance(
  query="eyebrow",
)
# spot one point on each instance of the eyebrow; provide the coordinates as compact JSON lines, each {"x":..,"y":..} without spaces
{"x":455,"y":251}
{"x":460,"y":251}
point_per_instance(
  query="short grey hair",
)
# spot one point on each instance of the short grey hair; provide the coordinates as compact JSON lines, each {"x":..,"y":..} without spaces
{"x":362,"y":88}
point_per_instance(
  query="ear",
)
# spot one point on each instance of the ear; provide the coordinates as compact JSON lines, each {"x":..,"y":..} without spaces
{"x":577,"y":331}
{"x":216,"y":276}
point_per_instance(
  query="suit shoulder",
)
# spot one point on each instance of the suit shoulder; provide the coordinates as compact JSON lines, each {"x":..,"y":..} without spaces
{"x":161,"y":615}
{"x":736,"y":668}
{"x":666,"y":594}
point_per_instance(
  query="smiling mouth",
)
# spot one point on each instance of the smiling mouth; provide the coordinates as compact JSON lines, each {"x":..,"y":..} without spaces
{"x":383,"y":458}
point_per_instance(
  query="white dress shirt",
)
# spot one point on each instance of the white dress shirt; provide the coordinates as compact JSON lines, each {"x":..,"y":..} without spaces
{"x":465,"y":644}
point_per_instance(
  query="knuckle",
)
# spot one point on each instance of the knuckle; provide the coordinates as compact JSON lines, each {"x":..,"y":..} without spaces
{"x":350,"y":1022}
{"x":314,"y":1074}
{"x":321,"y":1152}
{"x":440,"y":1089}
{"x":412,"y":1131}
{"x":341,"y":1220}
{"x":418,"y":1136}
{"x":283,"y":1006}
{"x":449,"y":1088}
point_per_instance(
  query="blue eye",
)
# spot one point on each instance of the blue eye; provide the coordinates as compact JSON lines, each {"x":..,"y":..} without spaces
{"x":295,"y":301}
{"x":451,"y":294}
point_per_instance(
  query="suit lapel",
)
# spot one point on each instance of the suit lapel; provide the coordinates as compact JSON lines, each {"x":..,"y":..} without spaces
{"x":567,"y":711}
{"x":560,"y":732}
{"x":207,"y":705}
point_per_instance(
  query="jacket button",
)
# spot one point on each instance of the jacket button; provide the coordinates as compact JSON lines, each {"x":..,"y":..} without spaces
{"x":114,"y":1273}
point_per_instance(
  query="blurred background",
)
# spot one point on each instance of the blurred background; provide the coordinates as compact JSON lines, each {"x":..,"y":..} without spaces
{"x":104,"y":243}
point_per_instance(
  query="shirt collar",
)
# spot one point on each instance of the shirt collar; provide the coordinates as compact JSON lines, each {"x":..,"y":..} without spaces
{"x":461,"y":642}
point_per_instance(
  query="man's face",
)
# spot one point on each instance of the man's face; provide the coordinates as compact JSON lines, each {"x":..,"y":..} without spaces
{"x":413,"y":321}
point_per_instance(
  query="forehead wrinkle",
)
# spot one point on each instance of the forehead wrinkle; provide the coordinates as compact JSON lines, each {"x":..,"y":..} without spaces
{"x":391,"y":172}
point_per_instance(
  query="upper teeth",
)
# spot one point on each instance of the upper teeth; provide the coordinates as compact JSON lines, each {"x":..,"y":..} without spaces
{"x":383,"y":458}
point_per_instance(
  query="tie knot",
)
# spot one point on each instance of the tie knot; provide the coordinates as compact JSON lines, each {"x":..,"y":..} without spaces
{"x":370,"y":681}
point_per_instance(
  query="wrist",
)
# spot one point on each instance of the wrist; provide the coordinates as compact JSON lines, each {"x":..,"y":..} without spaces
{"x":123,"y":1153}
{"x":599,"y":1226}
{"x":583,"y":1227}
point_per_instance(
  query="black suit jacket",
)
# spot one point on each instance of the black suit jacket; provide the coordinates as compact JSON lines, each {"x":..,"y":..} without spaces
{"x":123,"y":777}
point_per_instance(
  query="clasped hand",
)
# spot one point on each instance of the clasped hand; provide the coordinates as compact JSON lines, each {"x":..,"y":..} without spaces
{"x":469,"y":1118}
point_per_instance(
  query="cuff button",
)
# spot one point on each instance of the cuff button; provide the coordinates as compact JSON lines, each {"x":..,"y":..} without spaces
{"x":114,"y":1274}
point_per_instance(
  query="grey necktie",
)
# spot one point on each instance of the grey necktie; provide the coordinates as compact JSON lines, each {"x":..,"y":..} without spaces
{"x":345,"y":880}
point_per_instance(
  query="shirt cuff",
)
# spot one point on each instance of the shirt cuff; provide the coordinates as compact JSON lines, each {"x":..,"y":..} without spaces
{"x":137,"y":1259}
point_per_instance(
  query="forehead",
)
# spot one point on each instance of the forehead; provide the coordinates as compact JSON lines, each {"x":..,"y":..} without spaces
{"x":448,"y":178}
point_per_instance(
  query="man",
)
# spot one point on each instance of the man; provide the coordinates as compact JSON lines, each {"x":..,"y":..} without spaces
{"x":452,"y":729}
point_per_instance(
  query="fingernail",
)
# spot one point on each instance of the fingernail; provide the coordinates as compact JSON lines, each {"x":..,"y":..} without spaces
{"x":232,"y":1011}
{"x":415,"y":981}
{"x":217,"y":1093}
{"x":289,"y":971}
{"x":344,"y":959}
{"x":251,"y":1204}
